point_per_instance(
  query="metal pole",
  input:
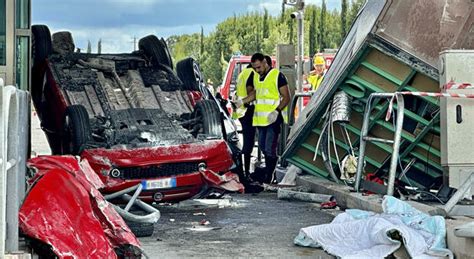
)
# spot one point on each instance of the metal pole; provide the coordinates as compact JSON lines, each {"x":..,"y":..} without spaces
{"x":396,"y":144}
{"x":458,"y":195}
{"x":291,"y":115}
{"x":120,"y":193}
{"x":363,"y":132}
{"x":299,"y":4}
{"x":299,"y":69}
{"x":134,"y":197}
{"x":11,"y":241}
{"x":3,"y":168}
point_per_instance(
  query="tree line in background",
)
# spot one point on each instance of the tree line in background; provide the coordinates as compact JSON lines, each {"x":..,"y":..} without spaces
{"x":261,"y":32}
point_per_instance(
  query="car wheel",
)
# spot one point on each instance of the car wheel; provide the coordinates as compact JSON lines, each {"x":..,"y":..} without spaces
{"x":77,"y":129}
{"x":155,"y":50}
{"x":168,"y":53}
{"x":141,"y":229}
{"x":209,"y":120}
{"x":41,"y":249}
{"x":129,"y":251}
{"x":41,"y":43}
{"x":189,"y":72}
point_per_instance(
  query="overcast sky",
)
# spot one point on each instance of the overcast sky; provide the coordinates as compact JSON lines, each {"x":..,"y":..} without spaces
{"x":116,"y":22}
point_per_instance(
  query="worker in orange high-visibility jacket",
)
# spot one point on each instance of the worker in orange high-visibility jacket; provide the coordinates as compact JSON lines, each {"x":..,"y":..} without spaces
{"x":316,"y":76}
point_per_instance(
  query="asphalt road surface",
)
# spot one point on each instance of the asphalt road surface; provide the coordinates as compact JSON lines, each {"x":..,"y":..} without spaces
{"x":237,"y":226}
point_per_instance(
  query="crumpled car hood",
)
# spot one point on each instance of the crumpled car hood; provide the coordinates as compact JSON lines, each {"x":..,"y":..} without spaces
{"x":64,"y":209}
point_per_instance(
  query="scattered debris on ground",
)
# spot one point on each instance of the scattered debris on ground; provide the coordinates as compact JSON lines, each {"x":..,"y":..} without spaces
{"x":284,"y":194}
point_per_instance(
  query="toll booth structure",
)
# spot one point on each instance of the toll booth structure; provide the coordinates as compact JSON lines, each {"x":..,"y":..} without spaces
{"x":393,"y":45}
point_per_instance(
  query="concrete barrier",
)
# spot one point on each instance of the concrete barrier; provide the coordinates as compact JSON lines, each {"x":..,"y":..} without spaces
{"x":3,"y":169}
{"x":13,"y":153}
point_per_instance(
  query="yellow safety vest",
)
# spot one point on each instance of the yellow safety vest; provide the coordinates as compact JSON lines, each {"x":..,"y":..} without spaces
{"x":242,"y":92}
{"x":315,"y":81}
{"x":267,"y":98}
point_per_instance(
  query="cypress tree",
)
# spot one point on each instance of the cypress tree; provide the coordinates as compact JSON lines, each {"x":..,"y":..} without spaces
{"x":322,"y":27}
{"x":201,"y":49}
{"x":265,"y":29}
{"x":344,"y":24}
{"x":99,"y":46}
{"x":312,"y":32}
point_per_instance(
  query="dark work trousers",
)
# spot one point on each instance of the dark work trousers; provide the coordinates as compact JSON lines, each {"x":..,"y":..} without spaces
{"x":268,"y":138}
{"x":248,"y":130}
{"x":248,"y":133}
{"x":268,"y":144}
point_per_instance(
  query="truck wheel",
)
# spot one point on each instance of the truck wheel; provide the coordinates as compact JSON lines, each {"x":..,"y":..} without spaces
{"x":141,"y":229}
{"x":77,"y":129}
{"x":41,"y":43}
{"x":208,"y":115}
{"x":190,"y":73}
{"x":155,"y":50}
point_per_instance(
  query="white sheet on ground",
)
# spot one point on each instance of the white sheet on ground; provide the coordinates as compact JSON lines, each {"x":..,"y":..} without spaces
{"x":363,"y":234}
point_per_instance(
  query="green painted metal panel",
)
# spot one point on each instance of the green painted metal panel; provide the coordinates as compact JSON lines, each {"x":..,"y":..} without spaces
{"x":307,"y":166}
{"x":382,"y":73}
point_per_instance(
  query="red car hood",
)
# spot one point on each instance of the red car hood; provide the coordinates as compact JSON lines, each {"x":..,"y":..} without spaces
{"x":214,"y":152}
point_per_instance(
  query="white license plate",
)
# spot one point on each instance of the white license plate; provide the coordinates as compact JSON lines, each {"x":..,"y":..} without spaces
{"x":159,"y":184}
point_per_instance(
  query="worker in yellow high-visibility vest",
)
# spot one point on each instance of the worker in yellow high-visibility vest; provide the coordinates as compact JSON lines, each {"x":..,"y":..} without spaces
{"x":316,"y":76}
{"x":271,"y":97}
{"x":245,"y":114}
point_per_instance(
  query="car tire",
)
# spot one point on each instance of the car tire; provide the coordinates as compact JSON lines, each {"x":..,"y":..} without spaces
{"x":208,"y":115}
{"x":41,"y":43}
{"x":77,"y":129}
{"x":168,"y":53}
{"x":155,"y":50}
{"x":40,"y":248}
{"x":141,"y":229}
{"x":189,"y":72}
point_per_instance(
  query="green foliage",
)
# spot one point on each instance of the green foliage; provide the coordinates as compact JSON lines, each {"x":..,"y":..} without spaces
{"x":266,"y":29}
{"x":323,"y":42}
{"x":261,"y":32}
{"x":343,"y":18}
{"x":356,"y":5}
{"x":313,"y":31}
{"x":201,"y":53}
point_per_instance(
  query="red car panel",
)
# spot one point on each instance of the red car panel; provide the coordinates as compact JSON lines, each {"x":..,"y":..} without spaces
{"x":63,"y":197}
{"x":214,"y":153}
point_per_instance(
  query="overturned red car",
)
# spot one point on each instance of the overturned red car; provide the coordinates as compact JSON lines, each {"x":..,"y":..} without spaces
{"x":134,"y":118}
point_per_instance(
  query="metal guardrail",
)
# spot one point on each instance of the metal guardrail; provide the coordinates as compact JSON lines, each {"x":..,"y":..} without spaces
{"x":294,"y":100}
{"x":153,"y":214}
{"x":364,"y":137}
{"x":14,"y":110}
{"x":291,"y":120}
